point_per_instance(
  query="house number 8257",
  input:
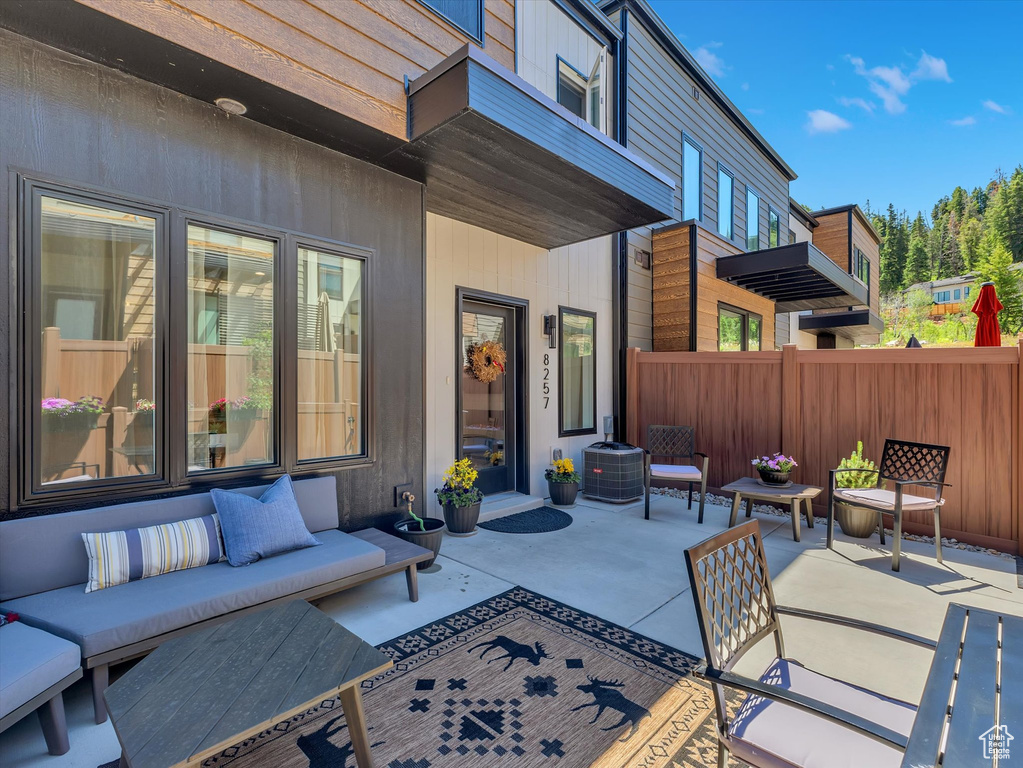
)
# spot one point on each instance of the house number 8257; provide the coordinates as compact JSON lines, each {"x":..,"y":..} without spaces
{"x":546,"y":376}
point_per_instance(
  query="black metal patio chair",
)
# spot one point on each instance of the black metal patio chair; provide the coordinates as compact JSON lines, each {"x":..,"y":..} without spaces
{"x":674,"y":443}
{"x":903,"y":463}
{"x":792,"y":717}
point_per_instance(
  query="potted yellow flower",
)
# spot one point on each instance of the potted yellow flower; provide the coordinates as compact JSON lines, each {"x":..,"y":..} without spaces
{"x":562,"y":482}
{"x":460,"y":498}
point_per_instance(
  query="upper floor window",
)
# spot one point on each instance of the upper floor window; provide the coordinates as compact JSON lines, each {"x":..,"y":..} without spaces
{"x":752,"y":220}
{"x":773,"y":229}
{"x":726,"y":202}
{"x":692,"y":176}
{"x":467,"y":15}
{"x":861,"y":266}
{"x":583,"y":95}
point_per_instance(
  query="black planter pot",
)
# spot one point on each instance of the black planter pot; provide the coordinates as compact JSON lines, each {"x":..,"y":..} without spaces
{"x":461,"y":521}
{"x":774,"y":478}
{"x":431,"y":538}
{"x":562,"y":494}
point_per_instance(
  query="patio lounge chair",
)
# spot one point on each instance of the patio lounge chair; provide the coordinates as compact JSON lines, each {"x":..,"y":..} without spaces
{"x":904,"y":464}
{"x":792,"y":717}
{"x":674,"y":443}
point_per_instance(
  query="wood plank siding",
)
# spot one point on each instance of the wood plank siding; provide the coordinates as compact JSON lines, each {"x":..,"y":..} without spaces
{"x":351,"y":56}
{"x":832,"y":238}
{"x":674,"y":282}
{"x":839,"y":234}
{"x":864,"y":239}
{"x":661,"y":106}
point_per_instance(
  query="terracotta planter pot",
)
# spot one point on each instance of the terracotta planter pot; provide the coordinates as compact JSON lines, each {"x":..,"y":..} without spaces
{"x":774,"y":478}
{"x":562,"y":494}
{"x":461,"y":521}
{"x":858,"y":522}
{"x":431,"y":538}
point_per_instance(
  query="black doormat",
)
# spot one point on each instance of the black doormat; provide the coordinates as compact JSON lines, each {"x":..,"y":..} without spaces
{"x":516,"y":681}
{"x":539,"y":520}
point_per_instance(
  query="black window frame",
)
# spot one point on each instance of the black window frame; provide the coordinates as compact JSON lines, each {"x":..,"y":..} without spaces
{"x":171,"y":352}
{"x":481,"y":18}
{"x":562,"y":311}
{"x":722,"y":168}
{"x":688,"y":139}
{"x":777,"y":228}
{"x":751,"y":191}
{"x":746,"y":316}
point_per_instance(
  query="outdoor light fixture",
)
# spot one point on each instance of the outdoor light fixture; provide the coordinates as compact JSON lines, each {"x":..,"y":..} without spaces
{"x":550,"y":330}
{"x":231,"y":106}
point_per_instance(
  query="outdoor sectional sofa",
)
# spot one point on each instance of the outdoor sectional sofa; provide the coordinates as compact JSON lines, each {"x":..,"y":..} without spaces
{"x":43,"y":570}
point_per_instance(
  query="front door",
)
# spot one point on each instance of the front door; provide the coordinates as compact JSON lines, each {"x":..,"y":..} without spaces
{"x":490,"y":423}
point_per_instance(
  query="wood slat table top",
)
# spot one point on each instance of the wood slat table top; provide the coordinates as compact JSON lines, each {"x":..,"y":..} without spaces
{"x":395,"y":550}
{"x":748,"y":486}
{"x":198,"y":694}
{"x":970,"y":690}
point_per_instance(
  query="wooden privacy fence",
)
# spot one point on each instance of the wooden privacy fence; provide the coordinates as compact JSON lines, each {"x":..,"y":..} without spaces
{"x":816,"y":404}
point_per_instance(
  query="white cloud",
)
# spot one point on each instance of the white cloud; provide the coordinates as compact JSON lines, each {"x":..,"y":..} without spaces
{"x":756,"y":111}
{"x":996,"y":107}
{"x":890,"y":84}
{"x":822,"y":121}
{"x":710,"y":61}
{"x":866,"y":106}
{"x":745,"y":86}
{"x":931,"y":68}
{"x":968,"y":120}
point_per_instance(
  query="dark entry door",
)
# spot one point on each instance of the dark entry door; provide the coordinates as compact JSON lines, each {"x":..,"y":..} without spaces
{"x":489,"y":421}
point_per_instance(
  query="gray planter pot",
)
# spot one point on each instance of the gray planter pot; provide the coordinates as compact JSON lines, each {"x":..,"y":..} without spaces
{"x":858,"y":522}
{"x":431,"y":538}
{"x":562,"y":494}
{"x":461,"y":521}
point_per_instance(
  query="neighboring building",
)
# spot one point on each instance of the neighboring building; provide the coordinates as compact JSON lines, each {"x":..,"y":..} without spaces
{"x":847,"y":237}
{"x":294,"y":290}
{"x":715,"y":278}
{"x":951,"y":295}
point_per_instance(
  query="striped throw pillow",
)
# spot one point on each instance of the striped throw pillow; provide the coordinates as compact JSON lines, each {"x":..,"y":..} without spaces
{"x":118,"y":557}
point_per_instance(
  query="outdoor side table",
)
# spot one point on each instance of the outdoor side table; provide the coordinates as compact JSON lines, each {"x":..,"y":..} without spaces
{"x":198,"y":694}
{"x":794,"y":495}
{"x":972,"y":705}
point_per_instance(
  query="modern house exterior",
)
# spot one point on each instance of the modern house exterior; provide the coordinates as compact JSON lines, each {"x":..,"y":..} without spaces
{"x":250,"y":239}
{"x":950,"y":295}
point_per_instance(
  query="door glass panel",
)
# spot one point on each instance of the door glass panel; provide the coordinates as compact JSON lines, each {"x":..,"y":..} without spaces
{"x":97,"y":304}
{"x":230,"y":370}
{"x":484,"y":403}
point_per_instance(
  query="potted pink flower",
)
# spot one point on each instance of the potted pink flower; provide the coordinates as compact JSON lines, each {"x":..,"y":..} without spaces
{"x":775,"y":470}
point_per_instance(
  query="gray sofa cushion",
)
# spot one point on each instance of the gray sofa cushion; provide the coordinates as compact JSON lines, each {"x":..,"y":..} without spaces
{"x":112,"y":618}
{"x":30,"y":662}
{"x":803,"y":740}
{"x":38,"y":554}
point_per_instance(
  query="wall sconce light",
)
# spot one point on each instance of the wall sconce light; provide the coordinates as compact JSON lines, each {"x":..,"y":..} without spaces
{"x":550,"y":330}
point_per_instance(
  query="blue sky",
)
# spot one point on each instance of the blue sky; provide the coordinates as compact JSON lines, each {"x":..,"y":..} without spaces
{"x":887,"y":101}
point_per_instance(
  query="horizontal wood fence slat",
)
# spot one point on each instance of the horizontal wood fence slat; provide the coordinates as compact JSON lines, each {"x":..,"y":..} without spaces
{"x":816,"y":404}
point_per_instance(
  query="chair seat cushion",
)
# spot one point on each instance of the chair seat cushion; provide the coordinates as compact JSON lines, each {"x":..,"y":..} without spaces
{"x":684,"y":472}
{"x":113,"y":618}
{"x":879,"y":498}
{"x":801,"y":739}
{"x":30,"y":662}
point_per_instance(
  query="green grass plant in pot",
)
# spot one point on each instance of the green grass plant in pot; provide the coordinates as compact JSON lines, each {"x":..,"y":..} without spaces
{"x":460,"y":498}
{"x":562,"y":482}
{"x":855,"y":521}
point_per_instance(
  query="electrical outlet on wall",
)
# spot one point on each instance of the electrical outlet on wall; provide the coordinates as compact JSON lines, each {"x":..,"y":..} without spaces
{"x":555,"y":454}
{"x":398,"y":491}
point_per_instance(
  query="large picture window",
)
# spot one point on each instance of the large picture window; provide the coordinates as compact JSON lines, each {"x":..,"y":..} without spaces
{"x":578,"y":372}
{"x":692,"y":176}
{"x":726,"y":202}
{"x":92,"y":342}
{"x":330,"y":355}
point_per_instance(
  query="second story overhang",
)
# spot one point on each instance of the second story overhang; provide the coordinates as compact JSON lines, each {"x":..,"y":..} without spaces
{"x":496,"y":152}
{"x":796,"y":277}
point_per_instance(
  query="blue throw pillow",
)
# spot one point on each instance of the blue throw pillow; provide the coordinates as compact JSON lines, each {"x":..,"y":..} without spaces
{"x":255,"y":528}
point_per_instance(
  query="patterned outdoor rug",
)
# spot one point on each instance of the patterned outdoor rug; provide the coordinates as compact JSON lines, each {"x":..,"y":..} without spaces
{"x":539,"y":520}
{"x":518,"y":680}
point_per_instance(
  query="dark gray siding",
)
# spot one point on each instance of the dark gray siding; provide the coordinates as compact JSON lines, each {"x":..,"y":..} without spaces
{"x":660,"y":107}
{"x":83,"y":123}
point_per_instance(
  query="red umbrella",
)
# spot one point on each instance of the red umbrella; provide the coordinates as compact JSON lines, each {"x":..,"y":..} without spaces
{"x":986,"y":308}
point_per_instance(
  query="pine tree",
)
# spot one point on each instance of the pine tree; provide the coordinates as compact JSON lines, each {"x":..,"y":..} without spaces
{"x":996,"y":267}
{"x":918,"y":267}
{"x":891,"y":273}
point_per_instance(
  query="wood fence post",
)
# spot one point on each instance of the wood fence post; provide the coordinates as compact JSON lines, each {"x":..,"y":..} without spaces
{"x":51,"y":362}
{"x":791,"y":405}
{"x":1018,"y":427}
{"x":632,"y":395}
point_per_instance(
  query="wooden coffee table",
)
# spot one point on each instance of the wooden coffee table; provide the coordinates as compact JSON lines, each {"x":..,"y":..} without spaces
{"x":198,"y":694}
{"x":794,"y":495}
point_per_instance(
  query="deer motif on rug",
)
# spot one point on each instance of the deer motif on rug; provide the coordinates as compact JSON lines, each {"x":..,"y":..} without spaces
{"x":512,"y":651}
{"x":607,"y":696}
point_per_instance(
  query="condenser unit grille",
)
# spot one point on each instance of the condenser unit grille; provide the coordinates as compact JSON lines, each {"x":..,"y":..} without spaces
{"x":613,"y":472}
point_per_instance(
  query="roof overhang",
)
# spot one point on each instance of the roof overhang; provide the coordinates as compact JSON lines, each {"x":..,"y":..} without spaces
{"x":859,"y":325}
{"x":795,"y":277}
{"x":496,"y":152}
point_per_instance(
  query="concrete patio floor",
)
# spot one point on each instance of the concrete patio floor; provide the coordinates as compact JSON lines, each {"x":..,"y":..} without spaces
{"x":612,"y":563}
